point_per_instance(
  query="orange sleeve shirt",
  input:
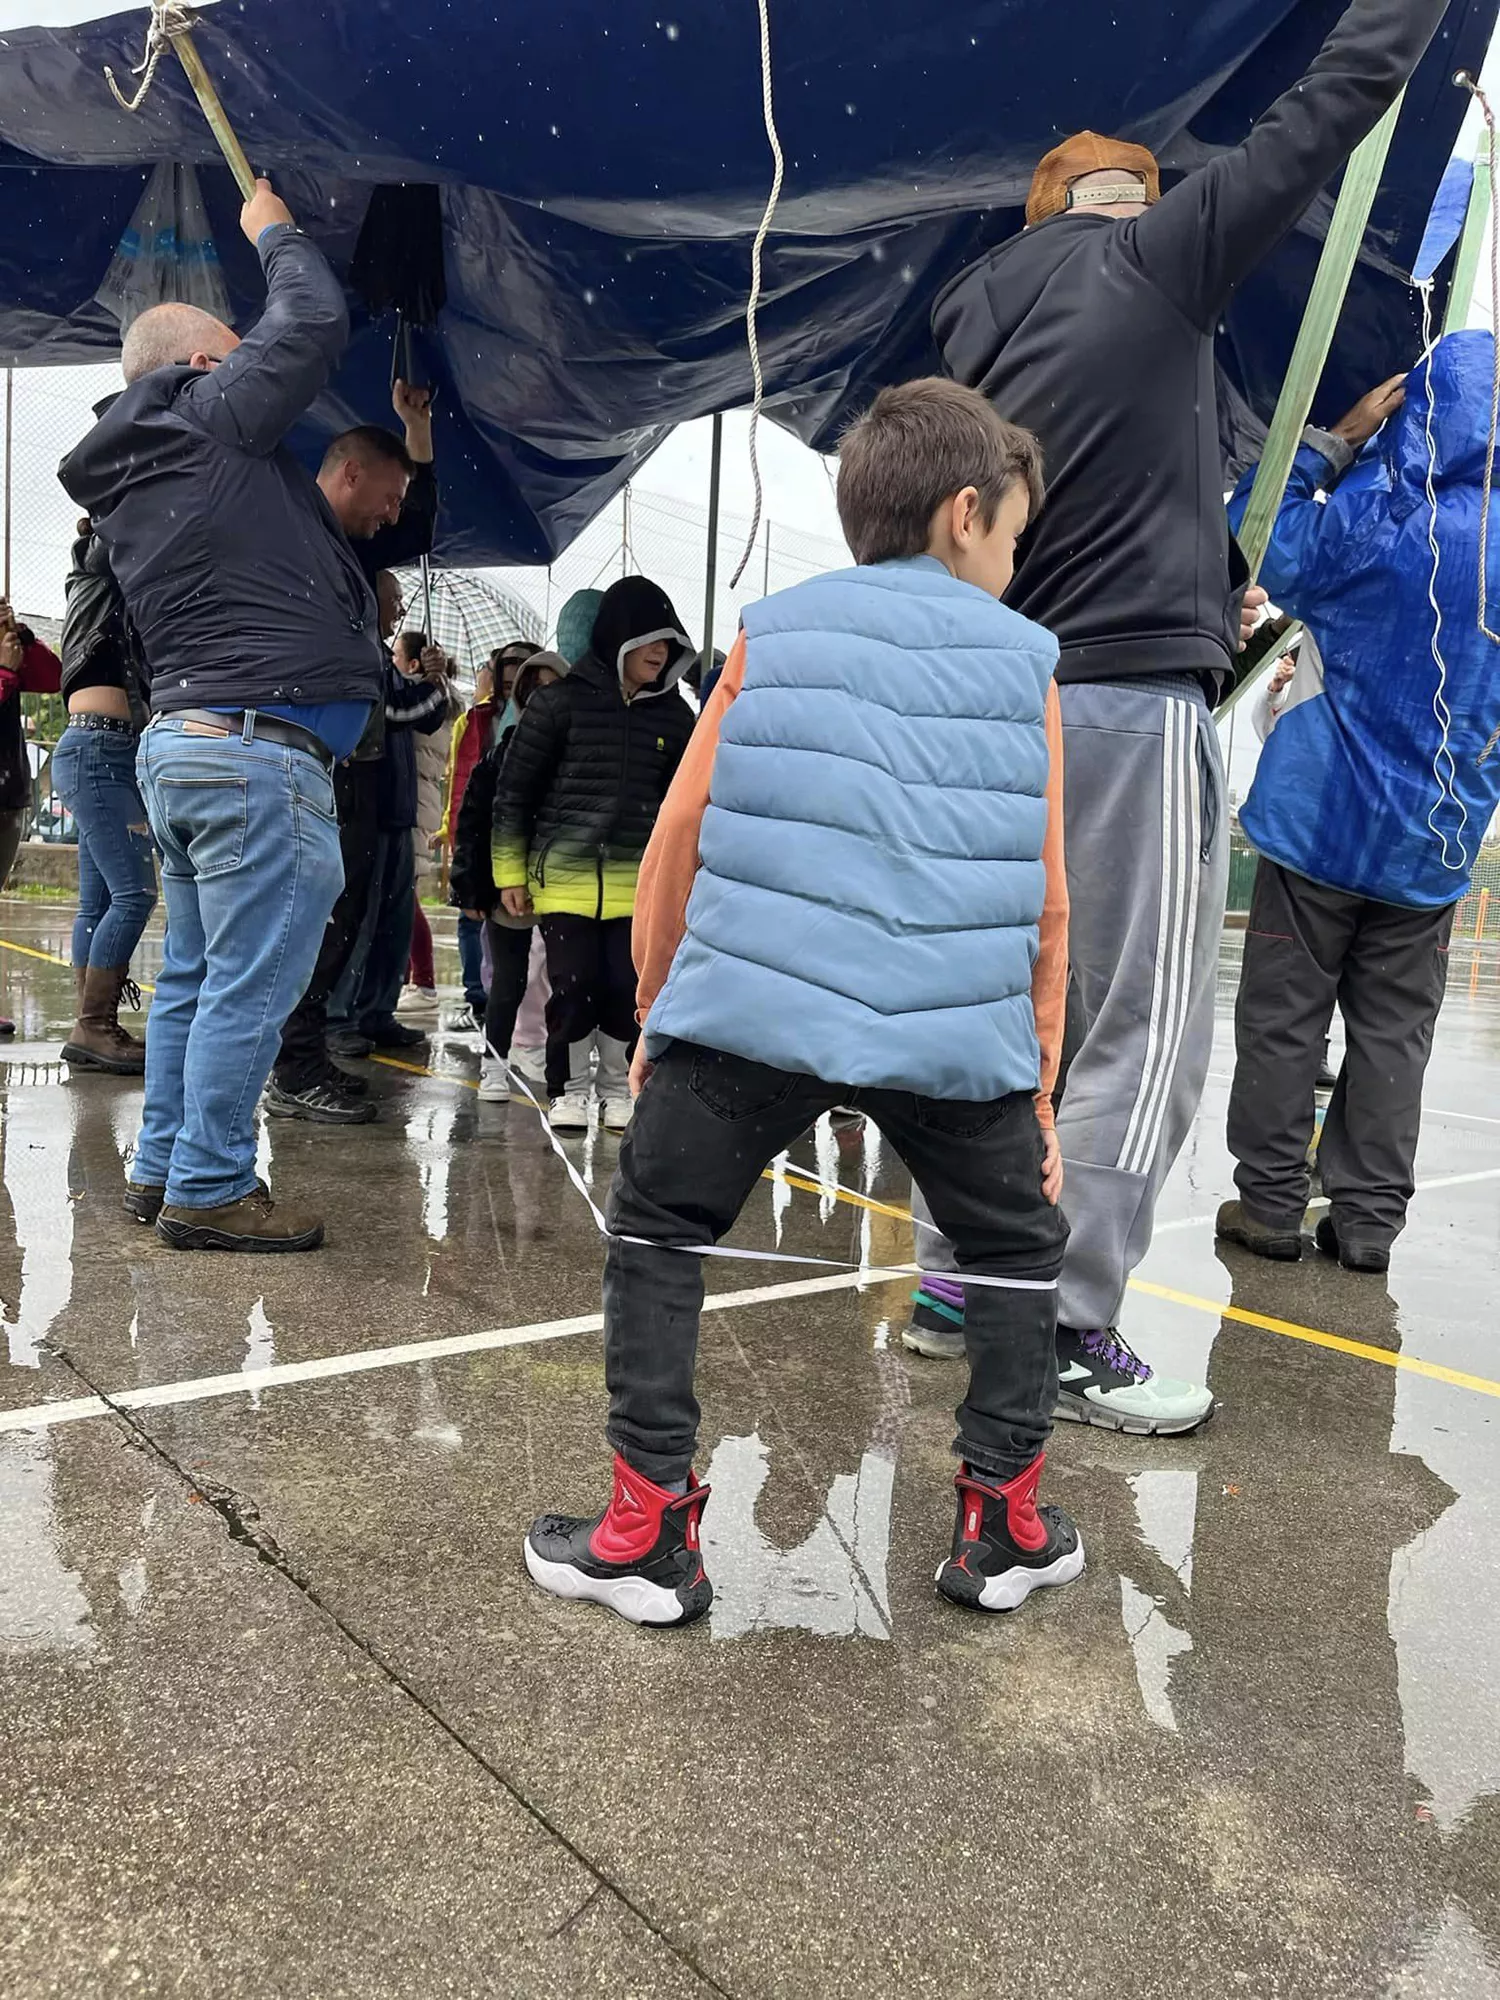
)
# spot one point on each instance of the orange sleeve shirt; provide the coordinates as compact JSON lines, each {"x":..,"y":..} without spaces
{"x":671,"y":863}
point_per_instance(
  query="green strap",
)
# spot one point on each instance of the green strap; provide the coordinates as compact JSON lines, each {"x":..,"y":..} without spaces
{"x":1466,"y":271}
{"x":1325,"y":302}
{"x":1315,"y":336}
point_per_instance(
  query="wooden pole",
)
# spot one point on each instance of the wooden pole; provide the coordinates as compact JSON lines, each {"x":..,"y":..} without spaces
{"x":10,"y":408}
{"x":213,"y":111}
{"x":711,"y":562}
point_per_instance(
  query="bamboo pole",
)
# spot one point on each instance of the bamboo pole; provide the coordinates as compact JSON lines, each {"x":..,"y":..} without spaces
{"x":213,"y":110}
{"x":711,"y":563}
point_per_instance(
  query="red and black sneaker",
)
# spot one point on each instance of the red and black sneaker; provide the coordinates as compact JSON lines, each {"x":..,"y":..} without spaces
{"x":1004,"y":1545}
{"x":640,"y":1556}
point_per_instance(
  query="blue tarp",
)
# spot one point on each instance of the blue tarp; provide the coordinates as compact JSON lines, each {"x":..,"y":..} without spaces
{"x":603,"y":167}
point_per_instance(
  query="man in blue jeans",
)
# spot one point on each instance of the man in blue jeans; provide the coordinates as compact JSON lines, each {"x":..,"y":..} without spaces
{"x":259,"y":632}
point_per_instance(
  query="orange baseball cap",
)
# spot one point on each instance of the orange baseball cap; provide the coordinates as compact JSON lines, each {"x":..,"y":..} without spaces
{"x":1086,"y":153}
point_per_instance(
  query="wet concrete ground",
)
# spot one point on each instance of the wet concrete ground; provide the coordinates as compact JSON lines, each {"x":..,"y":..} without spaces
{"x":280,"y":1713}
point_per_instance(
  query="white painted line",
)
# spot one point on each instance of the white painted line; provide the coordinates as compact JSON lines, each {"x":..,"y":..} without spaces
{"x":1321,"y":1201}
{"x":42,"y":1416}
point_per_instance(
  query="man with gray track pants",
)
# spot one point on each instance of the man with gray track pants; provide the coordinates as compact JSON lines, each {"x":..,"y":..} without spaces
{"x":1095,"y":329}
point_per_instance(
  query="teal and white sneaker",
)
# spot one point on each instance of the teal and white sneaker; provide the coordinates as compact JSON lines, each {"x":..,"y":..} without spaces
{"x":1101,"y":1381}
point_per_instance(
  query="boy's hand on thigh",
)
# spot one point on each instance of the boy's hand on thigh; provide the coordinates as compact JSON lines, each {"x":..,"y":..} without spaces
{"x":1052,"y":1167}
{"x":640,"y":1069}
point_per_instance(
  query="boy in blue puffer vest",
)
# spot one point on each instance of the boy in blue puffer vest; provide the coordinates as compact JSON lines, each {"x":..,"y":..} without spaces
{"x":855,"y":896}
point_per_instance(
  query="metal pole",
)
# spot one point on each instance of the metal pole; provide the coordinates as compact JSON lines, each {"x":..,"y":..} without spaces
{"x":711,"y":564}
{"x":1310,"y":355}
{"x":10,"y":405}
{"x":765,"y":582}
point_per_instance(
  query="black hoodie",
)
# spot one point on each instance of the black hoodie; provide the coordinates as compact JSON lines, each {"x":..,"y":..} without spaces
{"x":587,"y":770}
{"x":1098,"y":335}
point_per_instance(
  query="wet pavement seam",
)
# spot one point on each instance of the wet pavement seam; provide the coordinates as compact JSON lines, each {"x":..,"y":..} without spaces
{"x":241,"y":1520}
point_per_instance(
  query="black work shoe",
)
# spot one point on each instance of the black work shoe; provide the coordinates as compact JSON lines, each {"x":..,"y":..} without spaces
{"x":320,"y":1103}
{"x":1236,"y":1224}
{"x":388,"y":1033}
{"x":341,"y":1080}
{"x":254,"y":1223}
{"x":349,"y":1043}
{"x":639,"y":1557}
{"x":1355,"y":1249}
{"x":935,"y":1329}
{"x":143,"y":1202}
{"x":1326,"y":1077}
{"x":1004,"y":1545}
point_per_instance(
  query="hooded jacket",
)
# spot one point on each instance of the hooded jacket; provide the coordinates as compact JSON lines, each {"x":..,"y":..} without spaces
{"x":1350,"y":787}
{"x":1098,"y":335}
{"x":587,"y":768}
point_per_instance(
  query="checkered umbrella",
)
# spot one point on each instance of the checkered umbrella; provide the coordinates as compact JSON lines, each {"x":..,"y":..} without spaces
{"x":469,"y":615}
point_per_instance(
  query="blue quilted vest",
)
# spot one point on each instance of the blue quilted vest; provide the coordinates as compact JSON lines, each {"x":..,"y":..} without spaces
{"x":871,"y":877}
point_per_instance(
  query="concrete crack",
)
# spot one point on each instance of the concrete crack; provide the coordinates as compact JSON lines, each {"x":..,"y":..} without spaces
{"x":241,"y":1518}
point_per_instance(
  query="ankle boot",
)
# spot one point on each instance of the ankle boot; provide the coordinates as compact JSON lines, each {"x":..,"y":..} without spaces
{"x":98,"y":1041}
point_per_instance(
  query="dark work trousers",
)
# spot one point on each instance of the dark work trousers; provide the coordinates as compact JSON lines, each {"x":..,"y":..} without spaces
{"x":510,"y":960}
{"x":592,"y":976}
{"x":1305,"y":948}
{"x":304,"y":1054}
{"x":705,"y":1129}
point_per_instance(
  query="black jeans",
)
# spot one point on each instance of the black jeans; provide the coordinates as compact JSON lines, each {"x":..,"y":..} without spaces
{"x":1305,"y":947}
{"x":304,"y":1053}
{"x":592,"y":976}
{"x":705,"y":1129}
{"x":510,"y":958}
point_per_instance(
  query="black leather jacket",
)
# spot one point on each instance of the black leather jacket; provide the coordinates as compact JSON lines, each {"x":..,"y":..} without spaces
{"x":99,"y":646}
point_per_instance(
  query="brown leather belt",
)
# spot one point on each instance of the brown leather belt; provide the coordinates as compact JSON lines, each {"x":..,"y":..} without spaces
{"x":254,"y":726}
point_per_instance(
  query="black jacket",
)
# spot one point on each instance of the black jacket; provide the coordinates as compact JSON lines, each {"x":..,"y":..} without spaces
{"x":240,"y":582}
{"x":587,"y":771}
{"x":99,"y":646}
{"x":471,"y":878}
{"x":1098,"y":334}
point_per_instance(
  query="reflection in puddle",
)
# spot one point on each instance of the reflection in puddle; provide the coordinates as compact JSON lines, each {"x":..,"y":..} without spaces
{"x":429,"y":1133}
{"x":36,"y":1182}
{"x":833,"y":1583}
{"x":42,"y":1605}
{"x":1450,"y":1959}
{"x":1444,"y":1613}
{"x":1166,"y":1509}
{"x":260,"y":1346}
{"x":1154,"y":1643}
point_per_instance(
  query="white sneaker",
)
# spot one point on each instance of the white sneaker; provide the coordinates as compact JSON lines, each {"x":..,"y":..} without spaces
{"x":417,"y":1000}
{"x":570,"y":1112}
{"x":617,"y":1112}
{"x":1103,"y":1381}
{"x":494,"y":1084}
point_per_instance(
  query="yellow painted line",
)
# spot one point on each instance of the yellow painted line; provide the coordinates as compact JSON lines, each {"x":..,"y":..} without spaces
{"x":54,"y":958}
{"x":1360,"y":1349}
{"x":1288,"y":1329}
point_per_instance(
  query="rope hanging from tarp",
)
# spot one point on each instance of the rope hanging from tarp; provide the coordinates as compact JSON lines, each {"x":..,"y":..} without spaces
{"x":171,"y":27}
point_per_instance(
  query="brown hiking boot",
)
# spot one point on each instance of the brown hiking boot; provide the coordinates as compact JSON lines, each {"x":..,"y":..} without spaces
{"x":143,"y":1201}
{"x":98,"y":1041}
{"x":254,"y":1223}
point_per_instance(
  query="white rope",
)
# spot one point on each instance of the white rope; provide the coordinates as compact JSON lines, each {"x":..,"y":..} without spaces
{"x":1489,"y":456}
{"x":752,"y":308}
{"x":876,"y":1274}
{"x":1444,"y":771}
{"x":168,"y":18}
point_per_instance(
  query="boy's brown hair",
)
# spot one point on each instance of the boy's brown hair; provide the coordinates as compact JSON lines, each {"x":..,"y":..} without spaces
{"x":915,"y":447}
